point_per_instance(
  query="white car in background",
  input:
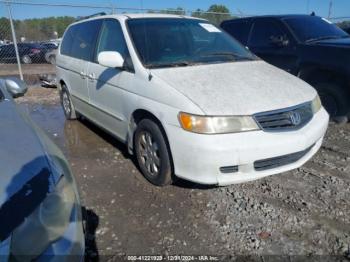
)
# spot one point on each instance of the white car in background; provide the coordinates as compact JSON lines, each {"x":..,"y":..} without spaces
{"x":187,"y":99}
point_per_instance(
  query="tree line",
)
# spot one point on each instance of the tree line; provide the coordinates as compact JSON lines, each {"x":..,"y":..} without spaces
{"x":37,"y":29}
{"x":41,"y":29}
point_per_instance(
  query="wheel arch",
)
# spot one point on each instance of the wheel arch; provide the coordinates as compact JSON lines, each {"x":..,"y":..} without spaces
{"x":135,"y":118}
{"x":314,"y":74}
{"x":61,"y":84}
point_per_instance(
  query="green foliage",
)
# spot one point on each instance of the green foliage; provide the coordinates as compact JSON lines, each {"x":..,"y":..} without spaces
{"x":172,"y":11}
{"x":35,"y":29}
{"x":44,"y":28}
{"x":215,"y":14}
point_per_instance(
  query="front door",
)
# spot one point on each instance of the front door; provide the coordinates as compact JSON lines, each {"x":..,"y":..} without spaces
{"x":271,"y":42}
{"x":108,"y":86}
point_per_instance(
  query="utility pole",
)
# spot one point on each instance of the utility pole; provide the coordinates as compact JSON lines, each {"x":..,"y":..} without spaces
{"x":330,"y":8}
{"x":14,"y":39}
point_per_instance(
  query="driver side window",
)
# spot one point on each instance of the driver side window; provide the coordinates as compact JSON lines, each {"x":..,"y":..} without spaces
{"x":265,"y":32}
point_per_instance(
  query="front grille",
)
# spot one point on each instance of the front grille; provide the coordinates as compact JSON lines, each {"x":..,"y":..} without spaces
{"x":279,"y":161}
{"x":286,"y":119}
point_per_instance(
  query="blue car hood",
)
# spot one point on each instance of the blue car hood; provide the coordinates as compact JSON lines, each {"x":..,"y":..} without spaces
{"x":25,"y":170}
{"x":340,"y":42}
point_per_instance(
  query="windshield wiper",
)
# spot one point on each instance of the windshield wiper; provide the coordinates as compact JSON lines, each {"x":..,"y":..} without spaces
{"x":175,"y":64}
{"x":235,"y":56}
{"x":323,"y":38}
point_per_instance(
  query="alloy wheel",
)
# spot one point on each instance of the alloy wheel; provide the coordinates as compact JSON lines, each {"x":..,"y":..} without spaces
{"x":66,"y":103}
{"x":149,"y":153}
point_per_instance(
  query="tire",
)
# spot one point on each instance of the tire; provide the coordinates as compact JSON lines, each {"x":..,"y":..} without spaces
{"x":26,"y":59}
{"x":152,"y":153}
{"x":67,"y":104}
{"x":335,"y":100}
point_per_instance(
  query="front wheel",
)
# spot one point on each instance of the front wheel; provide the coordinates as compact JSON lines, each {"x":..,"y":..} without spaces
{"x":152,"y":153}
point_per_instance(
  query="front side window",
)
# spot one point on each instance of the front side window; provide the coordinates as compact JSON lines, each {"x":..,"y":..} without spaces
{"x":264,"y":31}
{"x":112,"y":39}
{"x":163,"y":42}
{"x":239,"y":30}
{"x":313,"y":28}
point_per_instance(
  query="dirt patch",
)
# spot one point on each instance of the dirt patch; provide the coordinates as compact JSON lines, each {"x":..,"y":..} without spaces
{"x":303,"y":212}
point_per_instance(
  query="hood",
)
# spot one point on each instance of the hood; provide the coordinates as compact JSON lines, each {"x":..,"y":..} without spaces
{"x":25,"y":172}
{"x":21,"y":154}
{"x":340,"y":42}
{"x":239,"y":88}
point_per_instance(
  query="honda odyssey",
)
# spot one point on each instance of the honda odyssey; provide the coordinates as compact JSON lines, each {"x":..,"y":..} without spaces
{"x":187,"y":99}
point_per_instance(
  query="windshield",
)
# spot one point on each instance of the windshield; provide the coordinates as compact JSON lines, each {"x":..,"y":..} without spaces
{"x":313,"y":28}
{"x":164,"y":42}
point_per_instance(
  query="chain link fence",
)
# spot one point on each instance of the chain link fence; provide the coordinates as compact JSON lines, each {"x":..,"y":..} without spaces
{"x":33,"y":57}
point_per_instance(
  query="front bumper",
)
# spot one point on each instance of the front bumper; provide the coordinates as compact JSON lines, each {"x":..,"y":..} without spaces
{"x":198,"y":158}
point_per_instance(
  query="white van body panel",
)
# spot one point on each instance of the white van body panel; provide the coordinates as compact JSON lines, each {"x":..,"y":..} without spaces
{"x":109,"y":97}
{"x":238,"y":88}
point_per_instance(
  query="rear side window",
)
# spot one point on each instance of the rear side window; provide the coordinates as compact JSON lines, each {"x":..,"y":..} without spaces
{"x":112,"y":39}
{"x":239,"y":30}
{"x":81,"y":40}
{"x":263,"y":31}
{"x":67,"y":41}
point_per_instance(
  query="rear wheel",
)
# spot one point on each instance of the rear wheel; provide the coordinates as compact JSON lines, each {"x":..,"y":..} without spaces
{"x":67,"y":105}
{"x":152,"y":153}
{"x":26,"y":59}
{"x":335,"y":101}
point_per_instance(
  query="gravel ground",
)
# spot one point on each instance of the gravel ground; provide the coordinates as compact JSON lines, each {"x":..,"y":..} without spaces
{"x":300,"y":213}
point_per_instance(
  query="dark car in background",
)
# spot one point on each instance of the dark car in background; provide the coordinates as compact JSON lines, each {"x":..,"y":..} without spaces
{"x":28,"y":53}
{"x":308,"y":46}
{"x":40,"y":212}
{"x":347,"y":30}
{"x":49,"y":45}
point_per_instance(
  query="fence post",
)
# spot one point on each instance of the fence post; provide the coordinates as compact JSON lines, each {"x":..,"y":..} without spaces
{"x":14,"y":40}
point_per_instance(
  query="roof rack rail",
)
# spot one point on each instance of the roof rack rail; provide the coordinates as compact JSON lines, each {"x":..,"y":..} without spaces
{"x":90,"y":16}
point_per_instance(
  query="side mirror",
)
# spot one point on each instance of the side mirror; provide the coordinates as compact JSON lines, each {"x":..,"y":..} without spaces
{"x":110,"y":59}
{"x":15,"y":87}
{"x":281,"y":41}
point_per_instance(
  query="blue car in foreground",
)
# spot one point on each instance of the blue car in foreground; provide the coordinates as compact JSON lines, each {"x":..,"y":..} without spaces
{"x":40,"y":211}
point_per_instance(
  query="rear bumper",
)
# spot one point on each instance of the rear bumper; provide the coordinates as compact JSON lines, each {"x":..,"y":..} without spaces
{"x":198,"y":158}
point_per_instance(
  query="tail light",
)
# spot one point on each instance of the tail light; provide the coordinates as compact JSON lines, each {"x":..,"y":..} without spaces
{"x":35,"y":51}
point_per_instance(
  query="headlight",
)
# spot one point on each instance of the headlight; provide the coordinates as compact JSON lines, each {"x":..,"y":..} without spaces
{"x":46,"y":224}
{"x":217,"y":124}
{"x":316,"y":104}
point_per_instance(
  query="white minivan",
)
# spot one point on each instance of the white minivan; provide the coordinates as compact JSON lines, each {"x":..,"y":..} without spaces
{"x":187,"y":99}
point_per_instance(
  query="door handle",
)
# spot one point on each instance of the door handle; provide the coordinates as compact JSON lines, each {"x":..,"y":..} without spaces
{"x":91,"y":76}
{"x":83,"y":75}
